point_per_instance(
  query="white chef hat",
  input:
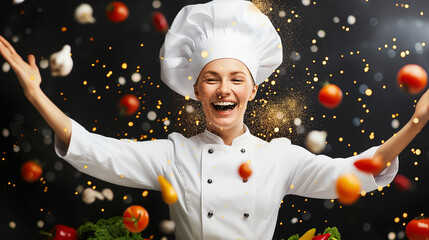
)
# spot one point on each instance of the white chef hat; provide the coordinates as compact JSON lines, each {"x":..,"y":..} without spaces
{"x":202,"y":33}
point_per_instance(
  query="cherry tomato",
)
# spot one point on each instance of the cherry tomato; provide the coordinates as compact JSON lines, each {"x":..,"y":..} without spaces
{"x":348,"y":188}
{"x":245,"y":171}
{"x":135,"y":218}
{"x":169,"y":195}
{"x":412,"y":78}
{"x":369,"y":165}
{"x":160,"y":22}
{"x":330,"y":96}
{"x":31,"y":171}
{"x":402,"y":183}
{"x":418,"y":229}
{"x":117,"y":11}
{"x":129,"y":104}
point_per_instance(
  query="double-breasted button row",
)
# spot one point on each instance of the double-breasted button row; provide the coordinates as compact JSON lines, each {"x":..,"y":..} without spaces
{"x":211,"y":150}
{"x":210,"y":214}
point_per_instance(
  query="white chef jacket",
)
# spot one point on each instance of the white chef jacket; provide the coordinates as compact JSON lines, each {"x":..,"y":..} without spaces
{"x":213,"y":201}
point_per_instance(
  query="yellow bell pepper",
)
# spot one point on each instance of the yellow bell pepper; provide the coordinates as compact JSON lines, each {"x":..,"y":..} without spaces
{"x":169,"y":195}
{"x":309,"y":235}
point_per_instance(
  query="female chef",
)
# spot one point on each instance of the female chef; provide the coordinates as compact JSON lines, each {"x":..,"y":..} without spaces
{"x":216,"y":53}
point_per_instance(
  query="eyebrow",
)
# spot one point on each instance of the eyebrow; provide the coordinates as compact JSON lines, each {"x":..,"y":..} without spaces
{"x":217,"y":74}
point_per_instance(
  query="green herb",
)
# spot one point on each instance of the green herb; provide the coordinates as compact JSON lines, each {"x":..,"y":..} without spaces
{"x":294,"y":237}
{"x":106,"y":229}
{"x":335,"y":234}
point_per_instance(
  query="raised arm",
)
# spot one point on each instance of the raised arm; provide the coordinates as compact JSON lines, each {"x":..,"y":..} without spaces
{"x":29,"y":77}
{"x":394,"y":146}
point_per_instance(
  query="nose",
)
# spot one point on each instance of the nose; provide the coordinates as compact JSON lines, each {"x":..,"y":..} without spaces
{"x":224,"y":89}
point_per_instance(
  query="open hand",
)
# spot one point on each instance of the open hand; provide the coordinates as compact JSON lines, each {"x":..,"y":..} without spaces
{"x":28,"y":73}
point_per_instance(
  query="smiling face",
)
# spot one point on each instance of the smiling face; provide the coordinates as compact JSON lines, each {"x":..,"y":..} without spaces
{"x":224,"y":87}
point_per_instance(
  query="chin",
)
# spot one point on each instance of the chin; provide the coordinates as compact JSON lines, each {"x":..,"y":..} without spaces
{"x":225,"y":124}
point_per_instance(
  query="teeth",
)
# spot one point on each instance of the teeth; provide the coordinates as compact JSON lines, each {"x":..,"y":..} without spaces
{"x":224,"y":106}
{"x":224,"y":103}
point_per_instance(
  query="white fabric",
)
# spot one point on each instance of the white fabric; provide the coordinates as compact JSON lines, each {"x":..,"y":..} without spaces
{"x":187,"y":164}
{"x":201,"y":33}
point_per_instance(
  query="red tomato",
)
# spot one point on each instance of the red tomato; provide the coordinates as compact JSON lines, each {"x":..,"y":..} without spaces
{"x":31,"y":171}
{"x":160,"y":22}
{"x":245,"y":171}
{"x":117,"y":11}
{"x":402,"y":183}
{"x":418,"y":229}
{"x":135,"y":218}
{"x":330,"y":96}
{"x":348,"y":188}
{"x":369,"y":165}
{"x":412,"y":78}
{"x":129,"y":104}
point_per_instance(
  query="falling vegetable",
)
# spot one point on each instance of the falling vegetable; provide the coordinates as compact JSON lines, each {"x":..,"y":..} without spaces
{"x":61,"y":232}
{"x":160,"y":22}
{"x":128,"y":105}
{"x":31,"y":171}
{"x":348,"y":188}
{"x":245,"y":171}
{"x":117,"y":11}
{"x":169,"y":195}
{"x":412,"y":78}
{"x":61,"y":62}
{"x":135,"y":218}
{"x":330,"y":96}
{"x":418,"y":229}
{"x":402,"y":183}
{"x":369,"y":165}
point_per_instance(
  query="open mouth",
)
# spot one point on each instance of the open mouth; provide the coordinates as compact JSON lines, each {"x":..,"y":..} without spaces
{"x":224,"y":106}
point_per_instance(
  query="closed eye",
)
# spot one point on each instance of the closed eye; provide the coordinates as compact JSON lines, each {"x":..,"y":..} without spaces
{"x":236,"y":81}
{"x":210,"y":80}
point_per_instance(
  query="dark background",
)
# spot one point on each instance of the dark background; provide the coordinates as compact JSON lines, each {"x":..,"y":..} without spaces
{"x":36,"y":27}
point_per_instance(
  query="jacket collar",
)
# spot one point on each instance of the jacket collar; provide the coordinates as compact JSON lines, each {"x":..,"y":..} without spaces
{"x":240,"y":140}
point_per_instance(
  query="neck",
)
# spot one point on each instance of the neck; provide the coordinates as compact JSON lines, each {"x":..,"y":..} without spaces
{"x":227,"y":135}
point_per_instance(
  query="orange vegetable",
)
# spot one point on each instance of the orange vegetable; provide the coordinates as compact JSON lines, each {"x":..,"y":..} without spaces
{"x":169,"y":195}
{"x":245,"y":171}
{"x":348,"y":188}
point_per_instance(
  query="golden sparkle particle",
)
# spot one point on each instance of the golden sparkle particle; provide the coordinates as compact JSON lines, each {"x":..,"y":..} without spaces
{"x":368,"y":92}
{"x":204,"y":54}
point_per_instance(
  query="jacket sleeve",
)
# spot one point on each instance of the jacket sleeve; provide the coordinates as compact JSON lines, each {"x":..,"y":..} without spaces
{"x":315,"y":175}
{"x":122,"y":162}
